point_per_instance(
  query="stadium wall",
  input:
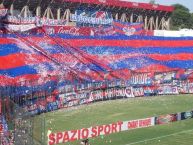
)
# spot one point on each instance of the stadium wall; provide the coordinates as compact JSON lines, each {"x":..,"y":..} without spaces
{"x":181,"y":33}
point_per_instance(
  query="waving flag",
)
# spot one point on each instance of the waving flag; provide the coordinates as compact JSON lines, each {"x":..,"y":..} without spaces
{"x":128,"y":28}
{"x":99,"y":14}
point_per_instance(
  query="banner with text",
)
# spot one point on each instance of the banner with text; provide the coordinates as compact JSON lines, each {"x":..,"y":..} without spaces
{"x":116,"y":127}
{"x":94,"y":17}
{"x":95,"y":131}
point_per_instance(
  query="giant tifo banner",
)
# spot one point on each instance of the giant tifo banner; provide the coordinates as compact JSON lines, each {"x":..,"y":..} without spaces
{"x":116,"y":127}
{"x":92,"y":57}
{"x":95,"y":131}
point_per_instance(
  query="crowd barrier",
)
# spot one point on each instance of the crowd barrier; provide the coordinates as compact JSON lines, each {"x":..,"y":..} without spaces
{"x":116,"y":127}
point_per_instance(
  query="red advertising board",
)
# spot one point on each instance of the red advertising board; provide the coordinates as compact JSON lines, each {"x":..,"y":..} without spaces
{"x":84,"y":133}
{"x":95,"y":131}
{"x":164,"y":119}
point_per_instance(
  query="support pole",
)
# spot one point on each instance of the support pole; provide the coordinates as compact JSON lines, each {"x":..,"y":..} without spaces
{"x":123,"y":17}
{"x":25,"y":12}
{"x":38,"y":11}
{"x":157,"y":23}
{"x":163,"y":23}
{"x":168,"y":23}
{"x":12,"y":9}
{"x":139,"y":19}
{"x":131,"y":18}
{"x":59,"y":14}
{"x":68,"y":16}
{"x":117,"y":17}
{"x":151,"y":23}
{"x":48,"y":13}
{"x":146,"y":23}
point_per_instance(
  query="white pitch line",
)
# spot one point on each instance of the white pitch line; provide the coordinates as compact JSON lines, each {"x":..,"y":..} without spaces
{"x":160,"y":137}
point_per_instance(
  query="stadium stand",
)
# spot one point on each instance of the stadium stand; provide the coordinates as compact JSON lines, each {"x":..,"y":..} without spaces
{"x":48,"y":64}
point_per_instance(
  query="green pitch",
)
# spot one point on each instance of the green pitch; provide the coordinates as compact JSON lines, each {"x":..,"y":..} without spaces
{"x":179,"y":133}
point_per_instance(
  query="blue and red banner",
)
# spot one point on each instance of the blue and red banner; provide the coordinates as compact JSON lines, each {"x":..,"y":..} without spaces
{"x":94,"y":56}
{"x":57,"y":60}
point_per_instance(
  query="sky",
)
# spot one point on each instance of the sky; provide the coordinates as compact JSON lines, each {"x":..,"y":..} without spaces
{"x":187,"y":3}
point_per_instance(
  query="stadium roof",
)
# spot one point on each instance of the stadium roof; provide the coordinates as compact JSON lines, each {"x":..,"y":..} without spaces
{"x":110,"y":3}
{"x":126,"y":4}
